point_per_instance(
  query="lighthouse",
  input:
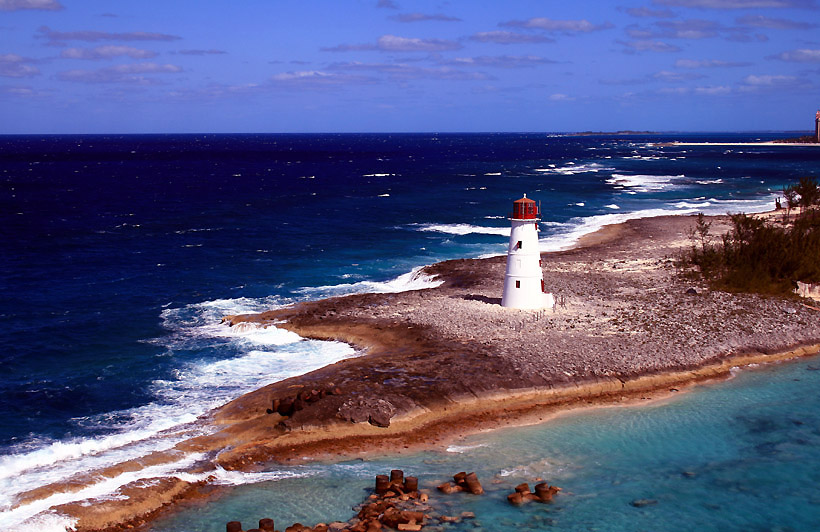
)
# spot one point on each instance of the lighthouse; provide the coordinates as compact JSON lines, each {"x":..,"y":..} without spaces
{"x":817,"y":127}
{"x":524,"y":281}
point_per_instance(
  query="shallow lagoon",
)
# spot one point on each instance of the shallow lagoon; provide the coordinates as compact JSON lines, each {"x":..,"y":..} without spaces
{"x":736,"y":455}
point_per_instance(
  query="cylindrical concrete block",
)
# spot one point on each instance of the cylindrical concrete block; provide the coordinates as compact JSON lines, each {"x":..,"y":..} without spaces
{"x":523,"y":488}
{"x":266,"y":524}
{"x":459,"y":477}
{"x":382,"y":484}
{"x":233,"y":526}
{"x":396,"y":476}
{"x":411,"y":484}
{"x":473,"y":485}
{"x":516,"y":498}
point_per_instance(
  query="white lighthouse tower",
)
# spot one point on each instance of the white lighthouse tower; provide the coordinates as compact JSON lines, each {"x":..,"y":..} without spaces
{"x":524,"y":280}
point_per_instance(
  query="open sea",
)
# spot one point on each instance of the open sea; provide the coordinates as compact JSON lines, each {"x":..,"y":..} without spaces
{"x":120,"y":254}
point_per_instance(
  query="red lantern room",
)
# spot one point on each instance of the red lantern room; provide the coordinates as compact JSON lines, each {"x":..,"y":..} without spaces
{"x":524,"y":209}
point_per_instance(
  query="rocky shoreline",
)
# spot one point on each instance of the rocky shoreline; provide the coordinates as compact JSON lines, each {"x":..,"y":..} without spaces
{"x":442,"y":362}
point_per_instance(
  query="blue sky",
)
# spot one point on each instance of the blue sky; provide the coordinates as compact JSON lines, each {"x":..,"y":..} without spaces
{"x":96,"y":66}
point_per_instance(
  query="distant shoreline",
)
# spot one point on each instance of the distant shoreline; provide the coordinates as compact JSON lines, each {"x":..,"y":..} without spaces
{"x":766,"y":143}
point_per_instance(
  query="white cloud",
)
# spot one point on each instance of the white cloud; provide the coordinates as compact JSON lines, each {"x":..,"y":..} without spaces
{"x":18,"y":5}
{"x":508,"y":37}
{"x":759,"y":21}
{"x":93,"y":35}
{"x":403,"y":71}
{"x":645,"y":45}
{"x":107,"y":52}
{"x":14,"y":66}
{"x":130,"y":73}
{"x":803,"y":55}
{"x":565,"y":26}
{"x":713,"y":91}
{"x":424,"y":17}
{"x":708,"y":63}
{"x":394,"y":43}
{"x":560,"y":97}
{"x":666,"y":75}
{"x":501,"y":61}
{"x":768,"y":80}
{"x":738,"y":4}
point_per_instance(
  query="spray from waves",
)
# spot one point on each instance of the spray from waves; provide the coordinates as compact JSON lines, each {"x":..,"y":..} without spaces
{"x":462,"y":229}
{"x":262,"y":356}
{"x":415,"y":279}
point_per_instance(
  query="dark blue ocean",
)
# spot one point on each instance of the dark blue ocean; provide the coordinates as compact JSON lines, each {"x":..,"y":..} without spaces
{"x":121,"y":253}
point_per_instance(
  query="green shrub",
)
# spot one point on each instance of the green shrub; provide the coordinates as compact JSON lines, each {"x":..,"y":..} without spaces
{"x":760,"y":256}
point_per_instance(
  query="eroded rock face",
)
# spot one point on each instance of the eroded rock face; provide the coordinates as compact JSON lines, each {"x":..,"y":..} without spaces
{"x":376,"y":411}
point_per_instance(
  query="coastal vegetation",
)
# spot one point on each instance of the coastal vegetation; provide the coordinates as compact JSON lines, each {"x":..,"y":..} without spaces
{"x":805,"y":139}
{"x":761,"y":255}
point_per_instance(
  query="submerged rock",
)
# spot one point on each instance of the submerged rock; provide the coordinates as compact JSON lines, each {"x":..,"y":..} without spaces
{"x":640,"y":503}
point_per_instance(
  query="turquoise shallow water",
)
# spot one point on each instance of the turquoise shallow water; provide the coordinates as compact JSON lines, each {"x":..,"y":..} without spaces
{"x":734,"y":455}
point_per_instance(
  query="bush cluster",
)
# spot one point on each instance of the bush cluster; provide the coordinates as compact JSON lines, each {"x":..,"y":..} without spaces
{"x":761,"y":256}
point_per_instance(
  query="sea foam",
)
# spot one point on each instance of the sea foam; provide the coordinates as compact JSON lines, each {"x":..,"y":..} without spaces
{"x":463,"y":229}
{"x":266,"y":355}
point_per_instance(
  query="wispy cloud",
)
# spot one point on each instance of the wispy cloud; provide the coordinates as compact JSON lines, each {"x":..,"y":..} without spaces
{"x":667,"y":75}
{"x":561,"y":97}
{"x":19,"y":91}
{"x":804,"y":55}
{"x":404,"y":71}
{"x":131,"y":74}
{"x":424,"y":17}
{"x":647,"y":12}
{"x":738,"y":4}
{"x":648,"y":45}
{"x":393,"y":43}
{"x":386,"y":4}
{"x":558,"y":26}
{"x":509,"y":37}
{"x":759,"y":21}
{"x":15,"y":66}
{"x":708,"y":63}
{"x":107,"y":52}
{"x":713,"y":90}
{"x":94,"y":36}
{"x":767,"y":82}
{"x":501,"y":61}
{"x":693,"y":29}
{"x":19,"y":5}
{"x":202,"y":52}
{"x":316,"y":80}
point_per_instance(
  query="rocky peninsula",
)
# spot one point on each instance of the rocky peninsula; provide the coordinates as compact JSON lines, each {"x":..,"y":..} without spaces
{"x":438,"y":363}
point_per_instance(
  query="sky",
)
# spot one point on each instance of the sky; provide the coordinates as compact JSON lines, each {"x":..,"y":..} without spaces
{"x":276,"y":66}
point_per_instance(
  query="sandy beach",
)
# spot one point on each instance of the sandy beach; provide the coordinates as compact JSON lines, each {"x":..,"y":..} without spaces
{"x":439,"y":363}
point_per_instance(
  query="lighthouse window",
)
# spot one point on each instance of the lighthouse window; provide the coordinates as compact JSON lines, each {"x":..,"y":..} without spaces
{"x":518,"y":284}
{"x":518,"y":246}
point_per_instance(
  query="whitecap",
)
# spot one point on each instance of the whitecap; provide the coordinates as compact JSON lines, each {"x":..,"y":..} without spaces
{"x":644,"y":183}
{"x":463,"y":229}
{"x":415,"y":279}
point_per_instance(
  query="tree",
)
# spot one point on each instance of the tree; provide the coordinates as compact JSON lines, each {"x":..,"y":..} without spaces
{"x":809,"y":193}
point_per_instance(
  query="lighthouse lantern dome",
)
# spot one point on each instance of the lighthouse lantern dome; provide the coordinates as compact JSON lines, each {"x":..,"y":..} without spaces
{"x":524,"y":209}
